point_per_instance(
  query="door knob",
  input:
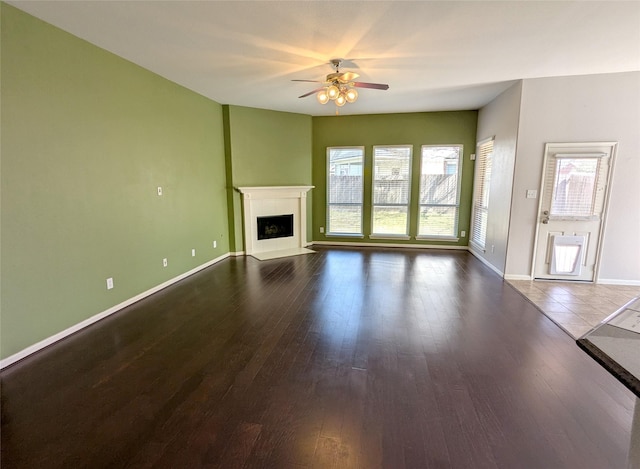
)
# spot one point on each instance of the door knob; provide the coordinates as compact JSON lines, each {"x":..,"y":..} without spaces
{"x":545,"y":220}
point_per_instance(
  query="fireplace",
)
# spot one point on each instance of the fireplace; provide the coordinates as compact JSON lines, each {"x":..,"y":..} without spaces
{"x":275,"y":226}
{"x":275,"y":220}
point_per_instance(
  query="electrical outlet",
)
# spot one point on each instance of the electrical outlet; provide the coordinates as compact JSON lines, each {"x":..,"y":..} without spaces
{"x":463,"y":234}
{"x":215,"y":244}
{"x":164,"y":262}
{"x":493,"y":248}
{"x":193,"y":253}
{"x":109,"y":283}
{"x":322,"y":229}
{"x":159,"y":190}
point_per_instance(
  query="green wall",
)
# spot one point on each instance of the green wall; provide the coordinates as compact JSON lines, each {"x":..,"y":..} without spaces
{"x":417,"y":129}
{"x":265,"y":148}
{"x":87,"y":138}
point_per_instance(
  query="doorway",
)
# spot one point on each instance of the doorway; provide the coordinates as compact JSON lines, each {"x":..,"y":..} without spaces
{"x":571,"y":214}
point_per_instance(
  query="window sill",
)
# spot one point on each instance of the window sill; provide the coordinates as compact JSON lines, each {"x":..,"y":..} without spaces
{"x":344,"y":235}
{"x":453,"y":239}
{"x":386,"y":236}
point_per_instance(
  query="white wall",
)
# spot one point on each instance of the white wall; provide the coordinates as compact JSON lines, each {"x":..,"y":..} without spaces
{"x":499,"y":119}
{"x":581,"y":109}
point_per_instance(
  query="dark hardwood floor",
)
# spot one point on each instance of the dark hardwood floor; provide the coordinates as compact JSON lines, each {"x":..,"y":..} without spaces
{"x":345,"y":358}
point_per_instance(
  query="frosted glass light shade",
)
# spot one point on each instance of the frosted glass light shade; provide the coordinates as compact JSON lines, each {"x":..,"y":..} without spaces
{"x":333,"y":92}
{"x":351,"y":95}
{"x":341,"y":100}
{"x":322,"y":96}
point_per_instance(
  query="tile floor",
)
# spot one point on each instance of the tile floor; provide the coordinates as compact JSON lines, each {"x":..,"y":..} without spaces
{"x":575,"y":307}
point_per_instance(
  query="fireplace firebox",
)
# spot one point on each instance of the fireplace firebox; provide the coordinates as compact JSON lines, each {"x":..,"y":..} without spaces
{"x":276,"y":226}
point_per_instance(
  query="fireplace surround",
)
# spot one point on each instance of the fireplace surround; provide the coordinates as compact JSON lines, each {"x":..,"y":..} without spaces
{"x":280,"y":203}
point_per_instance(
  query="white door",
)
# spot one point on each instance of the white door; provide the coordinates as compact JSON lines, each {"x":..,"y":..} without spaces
{"x":572,"y":203}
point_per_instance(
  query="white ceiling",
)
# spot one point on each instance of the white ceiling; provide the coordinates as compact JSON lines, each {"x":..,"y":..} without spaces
{"x":445,"y":55}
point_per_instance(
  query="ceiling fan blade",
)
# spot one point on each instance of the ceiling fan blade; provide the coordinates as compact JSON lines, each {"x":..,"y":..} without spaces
{"x":311,"y":92}
{"x":375,"y":86}
{"x":348,"y":76}
{"x":309,"y":81}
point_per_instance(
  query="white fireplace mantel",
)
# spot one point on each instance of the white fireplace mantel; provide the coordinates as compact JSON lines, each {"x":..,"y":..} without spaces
{"x":261,"y":201}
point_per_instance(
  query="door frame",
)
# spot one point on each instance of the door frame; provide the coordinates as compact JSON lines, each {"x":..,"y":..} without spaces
{"x":605,"y":207}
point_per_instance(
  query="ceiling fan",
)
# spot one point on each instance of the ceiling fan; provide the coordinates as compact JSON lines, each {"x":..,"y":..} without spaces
{"x":340,"y":87}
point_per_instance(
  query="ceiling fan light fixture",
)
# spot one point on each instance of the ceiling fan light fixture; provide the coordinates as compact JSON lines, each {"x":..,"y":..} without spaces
{"x":351,"y":95}
{"x":322,"y":96}
{"x":340,"y":87}
{"x":333,"y":92}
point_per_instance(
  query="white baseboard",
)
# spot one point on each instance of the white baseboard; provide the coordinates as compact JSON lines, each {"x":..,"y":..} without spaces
{"x":602,"y":281}
{"x":388,"y":245}
{"x":517,"y":277}
{"x":487,"y":263}
{"x":615,"y":281}
{"x":93,"y":319}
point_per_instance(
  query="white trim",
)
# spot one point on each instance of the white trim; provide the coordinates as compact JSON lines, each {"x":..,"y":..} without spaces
{"x":580,"y":155}
{"x":266,"y":192}
{"x":473,"y":245}
{"x":327,"y":174}
{"x":97,"y":317}
{"x":389,"y":237}
{"x":274,"y":200}
{"x":517,"y":277}
{"x":617,"y":281}
{"x":485,"y":140}
{"x":345,"y":235}
{"x":487,"y":263}
{"x":390,"y":245}
{"x":458,"y":192}
{"x":605,"y":204}
{"x":373,"y":186}
{"x":437,"y":238}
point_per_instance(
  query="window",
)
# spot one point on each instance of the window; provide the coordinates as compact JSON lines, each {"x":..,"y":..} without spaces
{"x":574,"y":186}
{"x":344,"y":190}
{"x":391,"y":188}
{"x":481,"y":193}
{"x":439,"y":191}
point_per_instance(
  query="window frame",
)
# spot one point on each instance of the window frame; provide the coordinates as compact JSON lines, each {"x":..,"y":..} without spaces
{"x":454,"y":236}
{"x":481,"y":193}
{"x":328,"y":204}
{"x":405,"y":235}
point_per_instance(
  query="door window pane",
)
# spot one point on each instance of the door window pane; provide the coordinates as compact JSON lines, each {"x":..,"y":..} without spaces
{"x":574,"y":187}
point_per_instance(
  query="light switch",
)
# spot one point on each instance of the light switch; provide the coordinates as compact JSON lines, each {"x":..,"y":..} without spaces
{"x":532,"y":193}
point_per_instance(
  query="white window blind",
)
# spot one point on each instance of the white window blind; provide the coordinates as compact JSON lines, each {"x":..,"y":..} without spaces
{"x":482,"y":183}
{"x":344,"y":190}
{"x":439,"y":190}
{"x":391,"y":189}
{"x":573,"y":183}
